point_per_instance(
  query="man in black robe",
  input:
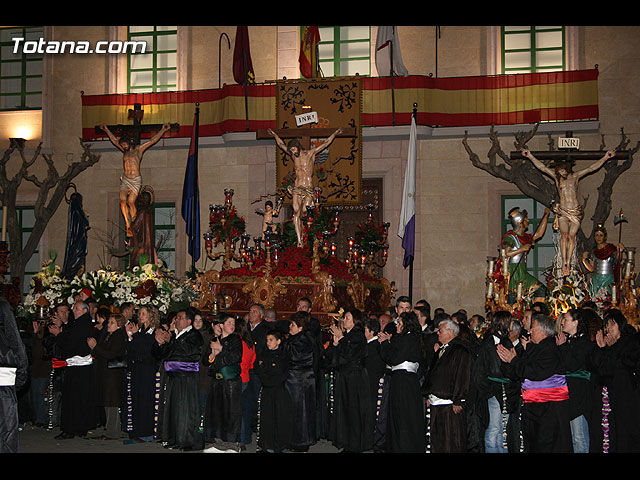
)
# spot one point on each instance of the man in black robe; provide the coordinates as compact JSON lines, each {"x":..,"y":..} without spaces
{"x":545,"y":412}
{"x":13,"y":375}
{"x":77,"y":409}
{"x":446,"y":388}
{"x":180,"y":350}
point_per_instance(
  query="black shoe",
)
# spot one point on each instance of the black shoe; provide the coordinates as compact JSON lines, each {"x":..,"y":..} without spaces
{"x":63,"y":436}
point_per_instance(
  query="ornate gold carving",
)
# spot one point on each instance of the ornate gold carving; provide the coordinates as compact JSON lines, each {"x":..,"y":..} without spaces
{"x":264,"y":290}
{"x":357,"y":291}
{"x":324,"y":294}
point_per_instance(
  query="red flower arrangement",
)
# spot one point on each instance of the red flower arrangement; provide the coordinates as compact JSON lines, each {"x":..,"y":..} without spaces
{"x":232,"y":227}
{"x":295,"y":262}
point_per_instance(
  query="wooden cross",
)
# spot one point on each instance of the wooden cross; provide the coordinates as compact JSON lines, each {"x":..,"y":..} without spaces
{"x":134,"y":131}
{"x":569,"y":155}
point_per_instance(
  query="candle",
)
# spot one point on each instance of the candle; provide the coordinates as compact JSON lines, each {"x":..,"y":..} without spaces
{"x":614,"y":294}
{"x":490,"y":290}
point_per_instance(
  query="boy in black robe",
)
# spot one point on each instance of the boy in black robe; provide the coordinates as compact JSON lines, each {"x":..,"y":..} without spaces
{"x":275,"y":423}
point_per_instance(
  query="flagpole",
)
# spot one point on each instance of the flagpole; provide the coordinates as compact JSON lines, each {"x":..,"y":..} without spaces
{"x":391,"y":71}
{"x":415,"y":115}
{"x":193,"y":204}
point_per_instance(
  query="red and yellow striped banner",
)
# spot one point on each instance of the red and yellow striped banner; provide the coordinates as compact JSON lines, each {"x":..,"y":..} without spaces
{"x":473,"y":101}
{"x":457,"y":101}
{"x":221,"y":110}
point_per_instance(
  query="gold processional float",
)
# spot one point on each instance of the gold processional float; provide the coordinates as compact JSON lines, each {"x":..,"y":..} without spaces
{"x":276,"y":274}
{"x":564,"y":293}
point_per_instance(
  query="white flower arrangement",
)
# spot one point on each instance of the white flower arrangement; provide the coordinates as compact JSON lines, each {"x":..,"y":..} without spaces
{"x":110,"y":288}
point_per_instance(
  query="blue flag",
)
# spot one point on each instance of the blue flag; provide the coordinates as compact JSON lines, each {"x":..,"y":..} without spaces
{"x":191,"y":194}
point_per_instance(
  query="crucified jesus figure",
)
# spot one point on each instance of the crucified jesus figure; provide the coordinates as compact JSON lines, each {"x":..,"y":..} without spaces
{"x":131,"y":180}
{"x":569,"y":211}
{"x":303,"y":161}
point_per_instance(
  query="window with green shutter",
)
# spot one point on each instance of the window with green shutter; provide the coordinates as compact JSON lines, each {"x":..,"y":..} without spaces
{"x":155,"y":70}
{"x":532,"y":49}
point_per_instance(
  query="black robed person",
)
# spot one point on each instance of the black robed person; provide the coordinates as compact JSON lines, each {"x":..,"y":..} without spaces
{"x":403,"y":352}
{"x":181,"y":352}
{"x":351,"y":423}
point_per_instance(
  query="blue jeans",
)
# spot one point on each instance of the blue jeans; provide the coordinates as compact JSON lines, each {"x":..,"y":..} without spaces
{"x":580,"y":434}
{"x":493,"y":441}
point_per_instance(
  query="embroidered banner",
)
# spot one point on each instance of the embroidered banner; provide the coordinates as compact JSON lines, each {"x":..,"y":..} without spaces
{"x":337,"y":103}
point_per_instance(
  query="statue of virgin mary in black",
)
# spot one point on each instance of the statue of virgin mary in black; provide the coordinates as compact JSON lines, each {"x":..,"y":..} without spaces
{"x":76,"y":247}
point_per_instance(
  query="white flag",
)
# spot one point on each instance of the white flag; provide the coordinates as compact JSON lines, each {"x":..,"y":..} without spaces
{"x":387,"y":45}
{"x":407,"y":226}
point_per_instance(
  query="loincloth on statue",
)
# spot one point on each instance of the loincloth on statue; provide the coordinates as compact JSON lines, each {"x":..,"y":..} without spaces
{"x":129,"y":184}
{"x":305,"y":193}
{"x":574,"y":215}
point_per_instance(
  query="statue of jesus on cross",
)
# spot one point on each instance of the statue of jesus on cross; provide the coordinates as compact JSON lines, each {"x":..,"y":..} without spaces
{"x":303,"y":162}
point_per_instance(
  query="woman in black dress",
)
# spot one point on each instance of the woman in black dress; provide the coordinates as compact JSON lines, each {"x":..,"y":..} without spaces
{"x":351,"y":422}
{"x":403,"y":352}
{"x":110,"y":384}
{"x":144,"y":376}
{"x":616,"y":362}
{"x":223,"y":410}
{"x":301,"y":382}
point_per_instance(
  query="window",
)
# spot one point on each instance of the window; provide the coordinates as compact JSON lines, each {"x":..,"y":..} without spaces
{"x":164,"y":222}
{"x":541,"y":256}
{"x":26,"y":222}
{"x":20,"y":72}
{"x":533,"y":49}
{"x":155,"y":69}
{"x":344,"y":51}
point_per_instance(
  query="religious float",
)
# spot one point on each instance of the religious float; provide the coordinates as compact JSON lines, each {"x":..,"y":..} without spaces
{"x":276,"y":272}
{"x":605,"y":277}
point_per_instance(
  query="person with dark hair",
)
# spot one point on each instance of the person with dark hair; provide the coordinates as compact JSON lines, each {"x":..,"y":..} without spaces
{"x":603,"y":262}
{"x":498,"y":397}
{"x":301,"y":382}
{"x":545,"y":412}
{"x":247,"y":364}
{"x":180,"y":352}
{"x":276,"y":424}
{"x":446,"y":388}
{"x":109,"y":352}
{"x":403,"y":352}
{"x":616,"y":362}
{"x":374,"y":364}
{"x":315,"y":330}
{"x":576,"y":348}
{"x":223,"y":411}
{"x":351,"y":422}
{"x":540,"y":307}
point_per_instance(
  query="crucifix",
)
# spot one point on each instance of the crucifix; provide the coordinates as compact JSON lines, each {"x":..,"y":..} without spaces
{"x":129,"y":144}
{"x":569,"y":211}
{"x":303,"y":155}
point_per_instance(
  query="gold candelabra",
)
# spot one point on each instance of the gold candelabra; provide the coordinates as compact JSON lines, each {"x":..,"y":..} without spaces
{"x":223,"y":219}
{"x":362,"y":256}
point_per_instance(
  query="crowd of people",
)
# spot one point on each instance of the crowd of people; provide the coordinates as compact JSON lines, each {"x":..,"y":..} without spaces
{"x":406,"y":380}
